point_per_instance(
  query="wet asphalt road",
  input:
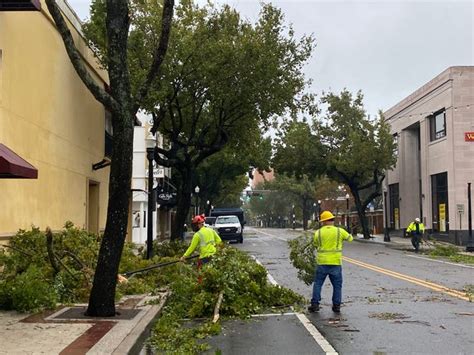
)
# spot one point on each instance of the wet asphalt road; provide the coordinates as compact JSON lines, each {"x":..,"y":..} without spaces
{"x":381,"y":313}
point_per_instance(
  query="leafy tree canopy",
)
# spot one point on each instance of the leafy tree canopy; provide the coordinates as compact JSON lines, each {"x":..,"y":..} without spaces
{"x":358,"y":149}
{"x":298,"y":151}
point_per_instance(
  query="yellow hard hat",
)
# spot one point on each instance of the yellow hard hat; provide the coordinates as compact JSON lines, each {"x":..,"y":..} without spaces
{"x":326,"y":216}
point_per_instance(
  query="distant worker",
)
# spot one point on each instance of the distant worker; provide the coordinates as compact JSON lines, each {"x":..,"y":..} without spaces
{"x":328,"y":241}
{"x":416,"y":230}
{"x":206,"y":238}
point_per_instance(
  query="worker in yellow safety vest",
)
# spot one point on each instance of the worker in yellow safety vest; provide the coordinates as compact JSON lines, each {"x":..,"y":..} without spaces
{"x":416,"y":230}
{"x":205,"y":238}
{"x":328,"y":241}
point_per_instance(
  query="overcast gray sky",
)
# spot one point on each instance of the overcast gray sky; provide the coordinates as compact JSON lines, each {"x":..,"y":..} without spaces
{"x":385,"y":48}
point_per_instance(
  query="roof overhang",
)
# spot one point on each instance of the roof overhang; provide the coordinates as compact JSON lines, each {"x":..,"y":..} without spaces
{"x":20,"y":5}
{"x":12,"y":166}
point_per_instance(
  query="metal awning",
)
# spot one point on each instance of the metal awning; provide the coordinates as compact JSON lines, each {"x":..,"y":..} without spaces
{"x":12,"y":166}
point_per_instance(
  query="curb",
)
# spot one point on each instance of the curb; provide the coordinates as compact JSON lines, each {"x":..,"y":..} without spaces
{"x":133,"y":343}
{"x":127,"y":337}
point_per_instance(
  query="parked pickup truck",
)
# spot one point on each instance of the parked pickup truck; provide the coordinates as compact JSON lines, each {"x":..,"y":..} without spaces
{"x":229,"y":228}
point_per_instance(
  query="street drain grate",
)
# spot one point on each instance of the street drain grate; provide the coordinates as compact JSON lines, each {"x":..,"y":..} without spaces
{"x":78,"y":313}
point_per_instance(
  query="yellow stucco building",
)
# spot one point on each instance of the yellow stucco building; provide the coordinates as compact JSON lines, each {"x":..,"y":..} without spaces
{"x":50,"y":119}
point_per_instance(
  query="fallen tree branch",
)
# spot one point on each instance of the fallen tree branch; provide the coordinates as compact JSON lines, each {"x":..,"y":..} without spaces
{"x":75,"y":258}
{"x":19,"y":250}
{"x":49,"y":248}
{"x":66,"y":268}
{"x":217,"y":307}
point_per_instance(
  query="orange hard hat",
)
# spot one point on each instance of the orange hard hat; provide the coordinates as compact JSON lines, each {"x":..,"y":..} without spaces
{"x":198,"y":219}
{"x":326,"y":216}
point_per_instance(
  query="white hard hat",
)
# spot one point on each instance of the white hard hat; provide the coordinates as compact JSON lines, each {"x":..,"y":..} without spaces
{"x":417,"y":220}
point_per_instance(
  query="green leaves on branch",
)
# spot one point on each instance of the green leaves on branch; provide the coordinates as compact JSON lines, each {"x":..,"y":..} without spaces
{"x":246,"y":291}
{"x":303,"y":257}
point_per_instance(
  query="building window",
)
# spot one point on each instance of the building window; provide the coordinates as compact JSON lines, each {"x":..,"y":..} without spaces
{"x":438,"y":125}
{"x":439,"y":197}
{"x":393,"y":191}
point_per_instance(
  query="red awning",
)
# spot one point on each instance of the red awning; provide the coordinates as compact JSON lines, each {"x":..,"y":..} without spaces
{"x":12,"y":166}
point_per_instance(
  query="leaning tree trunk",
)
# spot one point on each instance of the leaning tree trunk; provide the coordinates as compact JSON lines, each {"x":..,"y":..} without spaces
{"x":183,"y":204}
{"x":102,"y":297}
{"x":101,"y":300}
{"x":362,"y":217}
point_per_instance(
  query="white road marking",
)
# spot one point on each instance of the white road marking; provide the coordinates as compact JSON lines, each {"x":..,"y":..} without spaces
{"x":322,"y":342}
{"x":441,"y":261}
{"x":317,"y":336}
{"x":273,"y":314}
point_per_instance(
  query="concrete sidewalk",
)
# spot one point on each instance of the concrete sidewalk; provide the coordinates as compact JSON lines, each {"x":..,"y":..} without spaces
{"x":396,"y":242}
{"x":68,"y":331}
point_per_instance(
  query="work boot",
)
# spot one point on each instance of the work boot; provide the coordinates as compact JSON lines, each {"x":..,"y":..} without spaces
{"x":313,"y":308}
{"x":336,"y":308}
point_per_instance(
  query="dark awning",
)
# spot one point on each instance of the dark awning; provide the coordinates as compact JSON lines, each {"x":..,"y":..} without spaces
{"x":20,"y":5}
{"x":12,"y":166}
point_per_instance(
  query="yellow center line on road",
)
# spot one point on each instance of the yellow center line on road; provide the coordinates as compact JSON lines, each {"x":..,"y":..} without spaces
{"x":414,"y":280}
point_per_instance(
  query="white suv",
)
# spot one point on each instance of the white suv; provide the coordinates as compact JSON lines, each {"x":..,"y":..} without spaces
{"x":229,"y":228}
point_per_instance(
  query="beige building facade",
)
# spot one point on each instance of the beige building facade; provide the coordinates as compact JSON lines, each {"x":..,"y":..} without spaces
{"x":49,"y":118}
{"x":434,"y":130}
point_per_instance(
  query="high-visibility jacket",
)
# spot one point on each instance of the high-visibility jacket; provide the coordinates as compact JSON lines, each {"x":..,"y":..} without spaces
{"x":206,"y":239}
{"x":328,"y":241}
{"x":412,"y":228}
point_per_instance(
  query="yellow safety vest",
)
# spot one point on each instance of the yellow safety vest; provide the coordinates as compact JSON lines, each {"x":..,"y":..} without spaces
{"x":328,"y":241}
{"x":412,"y":227}
{"x":207,"y":239}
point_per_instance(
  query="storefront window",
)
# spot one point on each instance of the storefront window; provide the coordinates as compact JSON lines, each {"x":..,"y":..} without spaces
{"x":439,"y":196}
{"x":393,"y":190}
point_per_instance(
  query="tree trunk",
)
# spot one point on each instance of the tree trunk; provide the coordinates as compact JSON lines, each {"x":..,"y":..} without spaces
{"x":101,"y":300}
{"x":123,"y":108}
{"x":361,"y":213}
{"x":183,"y":204}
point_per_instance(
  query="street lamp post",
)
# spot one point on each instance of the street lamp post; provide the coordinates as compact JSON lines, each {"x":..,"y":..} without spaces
{"x":347,"y":212}
{"x":314,"y":211}
{"x":151,"y":201}
{"x":196,"y":190}
{"x":319,"y":210}
{"x":294,"y":216}
{"x":386,"y":234}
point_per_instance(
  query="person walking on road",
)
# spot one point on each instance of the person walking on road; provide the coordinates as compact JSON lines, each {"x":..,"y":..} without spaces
{"x":416,"y":230}
{"x":205,"y":238}
{"x":328,"y":241}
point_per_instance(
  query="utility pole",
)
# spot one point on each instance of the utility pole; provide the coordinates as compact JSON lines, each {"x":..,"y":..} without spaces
{"x":470,"y":244}
{"x":347,"y":212}
{"x":386,"y":234}
{"x":151,"y":202}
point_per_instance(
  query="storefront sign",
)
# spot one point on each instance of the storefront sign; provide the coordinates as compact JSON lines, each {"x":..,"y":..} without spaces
{"x":166,"y":198}
{"x":442,"y":217}
{"x":469,"y":136}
